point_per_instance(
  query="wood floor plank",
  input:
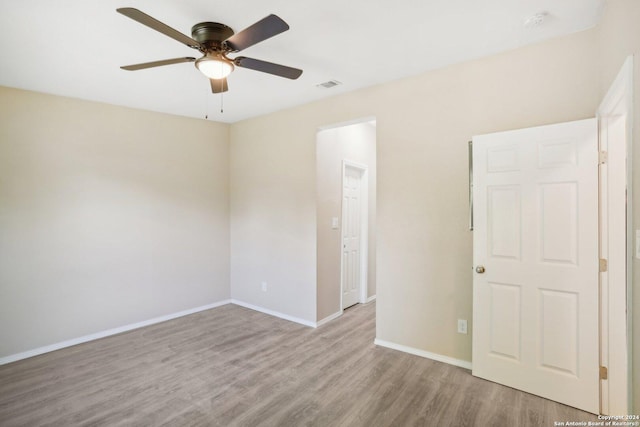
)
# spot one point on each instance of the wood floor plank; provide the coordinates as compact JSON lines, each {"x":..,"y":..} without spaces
{"x":231,"y":366}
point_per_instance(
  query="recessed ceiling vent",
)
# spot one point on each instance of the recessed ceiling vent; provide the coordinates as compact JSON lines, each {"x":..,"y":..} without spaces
{"x":329,"y":84}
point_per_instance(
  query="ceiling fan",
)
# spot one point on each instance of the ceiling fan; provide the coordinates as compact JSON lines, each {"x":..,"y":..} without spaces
{"x":215,"y":41}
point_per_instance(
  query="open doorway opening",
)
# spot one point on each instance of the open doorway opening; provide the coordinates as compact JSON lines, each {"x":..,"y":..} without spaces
{"x":346,"y":216}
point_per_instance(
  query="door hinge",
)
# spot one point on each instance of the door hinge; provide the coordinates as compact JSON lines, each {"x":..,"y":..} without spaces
{"x":603,"y":156}
{"x":604,"y":373}
{"x":603,"y":265}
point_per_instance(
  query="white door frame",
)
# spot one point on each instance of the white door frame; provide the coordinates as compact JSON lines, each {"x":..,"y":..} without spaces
{"x":616,"y":243}
{"x":364,"y":228}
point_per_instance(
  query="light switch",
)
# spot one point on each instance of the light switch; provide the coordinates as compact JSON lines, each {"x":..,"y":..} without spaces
{"x":335,"y":224}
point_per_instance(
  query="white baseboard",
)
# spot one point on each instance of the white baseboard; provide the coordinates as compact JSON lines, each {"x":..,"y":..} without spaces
{"x":371,"y":298}
{"x":273,"y":313}
{"x":329,"y":318}
{"x":109,"y":332}
{"x":422,"y":353}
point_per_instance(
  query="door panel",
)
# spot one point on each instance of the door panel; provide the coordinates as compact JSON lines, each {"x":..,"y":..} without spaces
{"x":504,"y":225}
{"x":505,"y":320}
{"x":535,"y":307}
{"x":559,"y":331}
{"x":559,"y":222}
{"x":351,"y":239}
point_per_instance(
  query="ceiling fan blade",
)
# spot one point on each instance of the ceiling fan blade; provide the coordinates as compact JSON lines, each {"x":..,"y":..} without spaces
{"x":268,"y":67}
{"x":142,"y":66}
{"x":260,"y":31}
{"x":219,"y":85}
{"x":153,"y":23}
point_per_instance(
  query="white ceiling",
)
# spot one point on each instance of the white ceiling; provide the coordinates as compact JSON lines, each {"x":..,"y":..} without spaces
{"x":75,"y":47}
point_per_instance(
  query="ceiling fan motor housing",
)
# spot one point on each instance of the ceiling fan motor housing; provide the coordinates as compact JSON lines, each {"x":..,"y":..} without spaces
{"x":211,"y":34}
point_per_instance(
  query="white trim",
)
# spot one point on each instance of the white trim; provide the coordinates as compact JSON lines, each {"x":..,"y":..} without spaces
{"x":364,"y":228}
{"x":347,"y":123}
{"x":339,"y":313}
{"x":273,"y":313}
{"x":329,"y":318}
{"x":422,"y":353}
{"x":616,"y":284}
{"x":107,"y":333}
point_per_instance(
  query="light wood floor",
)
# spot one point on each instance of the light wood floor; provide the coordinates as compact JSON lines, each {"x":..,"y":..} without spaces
{"x":232,"y":366}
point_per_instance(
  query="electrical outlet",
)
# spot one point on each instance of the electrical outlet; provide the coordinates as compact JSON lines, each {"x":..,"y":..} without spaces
{"x":462,"y":326}
{"x":264,"y":286}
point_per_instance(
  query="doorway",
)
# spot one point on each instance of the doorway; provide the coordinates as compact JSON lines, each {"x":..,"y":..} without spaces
{"x":616,"y":243}
{"x":345,"y":148}
{"x":613,"y":391}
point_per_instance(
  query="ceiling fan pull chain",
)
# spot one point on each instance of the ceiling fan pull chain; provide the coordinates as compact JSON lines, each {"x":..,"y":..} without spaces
{"x":222,"y":102}
{"x":206,"y":107}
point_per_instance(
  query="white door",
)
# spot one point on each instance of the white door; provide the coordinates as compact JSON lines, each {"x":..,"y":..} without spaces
{"x":535,"y":305}
{"x":351,"y":235}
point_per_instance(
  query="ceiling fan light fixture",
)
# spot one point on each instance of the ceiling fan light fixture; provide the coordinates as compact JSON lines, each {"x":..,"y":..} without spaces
{"x":214,"y":66}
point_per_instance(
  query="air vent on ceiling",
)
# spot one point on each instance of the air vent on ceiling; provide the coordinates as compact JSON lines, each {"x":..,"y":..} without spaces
{"x":329,"y":84}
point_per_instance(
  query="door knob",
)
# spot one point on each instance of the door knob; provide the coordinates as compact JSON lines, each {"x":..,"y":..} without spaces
{"x":480,"y":269}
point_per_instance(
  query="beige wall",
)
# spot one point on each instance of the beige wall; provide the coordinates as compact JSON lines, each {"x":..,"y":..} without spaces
{"x":108,"y":216}
{"x":355,"y":143}
{"x":619,"y":37}
{"x":273,"y":214}
{"x":423,"y":125}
